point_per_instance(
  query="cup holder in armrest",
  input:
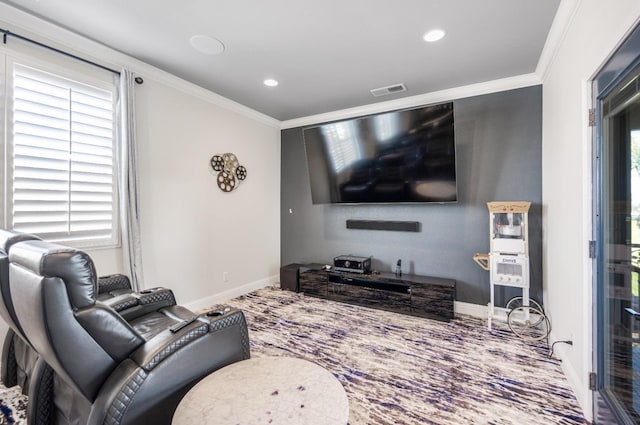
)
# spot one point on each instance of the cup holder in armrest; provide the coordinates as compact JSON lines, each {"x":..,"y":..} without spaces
{"x":152,"y":290}
{"x":218,"y":310}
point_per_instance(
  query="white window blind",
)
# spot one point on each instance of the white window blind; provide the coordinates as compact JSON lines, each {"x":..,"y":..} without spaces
{"x":63,"y":185}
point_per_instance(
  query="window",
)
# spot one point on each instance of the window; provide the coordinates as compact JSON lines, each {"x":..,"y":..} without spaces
{"x":61,"y":179}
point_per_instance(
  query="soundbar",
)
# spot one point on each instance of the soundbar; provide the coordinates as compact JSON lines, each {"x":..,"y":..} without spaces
{"x":399,"y":226}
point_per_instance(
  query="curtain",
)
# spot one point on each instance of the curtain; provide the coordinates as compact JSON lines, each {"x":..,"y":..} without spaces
{"x":128,"y":160}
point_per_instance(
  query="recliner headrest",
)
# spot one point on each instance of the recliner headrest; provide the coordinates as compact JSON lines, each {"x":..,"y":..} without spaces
{"x":73,"y":266}
{"x":8,"y":238}
{"x":7,"y":311}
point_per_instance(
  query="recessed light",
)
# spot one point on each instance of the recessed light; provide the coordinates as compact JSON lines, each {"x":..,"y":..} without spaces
{"x":433,"y":35}
{"x":270,"y":82}
{"x":206,"y":45}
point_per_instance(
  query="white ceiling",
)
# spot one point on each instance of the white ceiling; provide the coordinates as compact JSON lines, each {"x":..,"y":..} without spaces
{"x":326,"y":54}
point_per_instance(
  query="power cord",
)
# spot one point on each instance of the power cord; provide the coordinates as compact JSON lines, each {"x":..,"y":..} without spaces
{"x":569,"y":342}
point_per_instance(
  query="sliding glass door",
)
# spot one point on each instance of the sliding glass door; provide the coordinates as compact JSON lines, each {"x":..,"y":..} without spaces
{"x":617,"y":232}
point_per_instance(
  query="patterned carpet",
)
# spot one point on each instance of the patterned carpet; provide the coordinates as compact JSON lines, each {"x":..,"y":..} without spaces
{"x":405,"y":370}
{"x":402,"y":370}
{"x":13,"y":408}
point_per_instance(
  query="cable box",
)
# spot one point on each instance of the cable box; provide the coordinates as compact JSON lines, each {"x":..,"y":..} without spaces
{"x":352,"y":264}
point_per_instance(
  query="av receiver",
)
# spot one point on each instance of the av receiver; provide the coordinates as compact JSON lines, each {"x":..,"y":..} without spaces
{"x":352,"y":263}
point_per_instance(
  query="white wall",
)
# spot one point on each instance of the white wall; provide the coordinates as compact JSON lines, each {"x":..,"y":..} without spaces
{"x":596,"y":29}
{"x":191,"y":231}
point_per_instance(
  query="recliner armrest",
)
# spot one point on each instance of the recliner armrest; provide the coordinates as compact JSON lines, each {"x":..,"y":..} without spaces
{"x":137,"y":304}
{"x":162,"y":297}
{"x":122,"y":302}
{"x":165,"y":343}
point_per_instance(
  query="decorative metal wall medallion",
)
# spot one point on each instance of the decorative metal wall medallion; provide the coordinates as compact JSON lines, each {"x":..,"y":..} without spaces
{"x":230,"y":172}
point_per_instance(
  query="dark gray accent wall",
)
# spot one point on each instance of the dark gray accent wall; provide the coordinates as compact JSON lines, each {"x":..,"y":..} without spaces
{"x":499,"y":154}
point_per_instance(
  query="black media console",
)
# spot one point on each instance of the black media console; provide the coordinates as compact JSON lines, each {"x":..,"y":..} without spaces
{"x":423,"y":296}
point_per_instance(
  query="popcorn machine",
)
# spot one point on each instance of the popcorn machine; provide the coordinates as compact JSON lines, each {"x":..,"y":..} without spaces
{"x":508,"y":265}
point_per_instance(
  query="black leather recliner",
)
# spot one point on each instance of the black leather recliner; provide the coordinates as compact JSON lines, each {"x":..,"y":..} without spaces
{"x":109,"y":370}
{"x":18,"y":357}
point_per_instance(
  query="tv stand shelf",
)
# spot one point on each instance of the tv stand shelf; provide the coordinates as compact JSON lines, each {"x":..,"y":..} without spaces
{"x":422,"y":296}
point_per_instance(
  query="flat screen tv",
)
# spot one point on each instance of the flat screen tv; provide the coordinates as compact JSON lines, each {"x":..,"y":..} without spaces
{"x":405,"y":156}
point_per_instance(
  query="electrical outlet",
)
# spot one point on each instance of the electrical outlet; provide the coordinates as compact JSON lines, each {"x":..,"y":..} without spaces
{"x":225,"y":276}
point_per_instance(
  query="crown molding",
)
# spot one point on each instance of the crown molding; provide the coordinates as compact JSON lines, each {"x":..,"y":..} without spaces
{"x":503,"y":84}
{"x":23,"y":23}
{"x":564,"y":16}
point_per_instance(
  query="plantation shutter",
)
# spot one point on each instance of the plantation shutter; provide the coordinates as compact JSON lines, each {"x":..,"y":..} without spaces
{"x":62,"y":158}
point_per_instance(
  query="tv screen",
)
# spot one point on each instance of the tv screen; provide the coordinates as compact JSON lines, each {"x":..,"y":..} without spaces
{"x":401,"y":156}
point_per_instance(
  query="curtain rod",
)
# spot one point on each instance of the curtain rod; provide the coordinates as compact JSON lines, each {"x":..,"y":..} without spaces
{"x":7,"y":33}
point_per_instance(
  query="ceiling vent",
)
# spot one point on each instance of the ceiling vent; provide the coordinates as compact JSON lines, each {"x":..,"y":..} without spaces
{"x":384,"y":91}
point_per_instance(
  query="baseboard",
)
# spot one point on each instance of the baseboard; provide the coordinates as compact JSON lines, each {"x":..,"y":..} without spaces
{"x":475,"y":310}
{"x":223,"y":296}
{"x":479,"y":310}
{"x":582,"y":393}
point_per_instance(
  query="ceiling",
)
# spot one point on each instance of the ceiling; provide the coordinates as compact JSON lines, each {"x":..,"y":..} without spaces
{"x":326,"y":55}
